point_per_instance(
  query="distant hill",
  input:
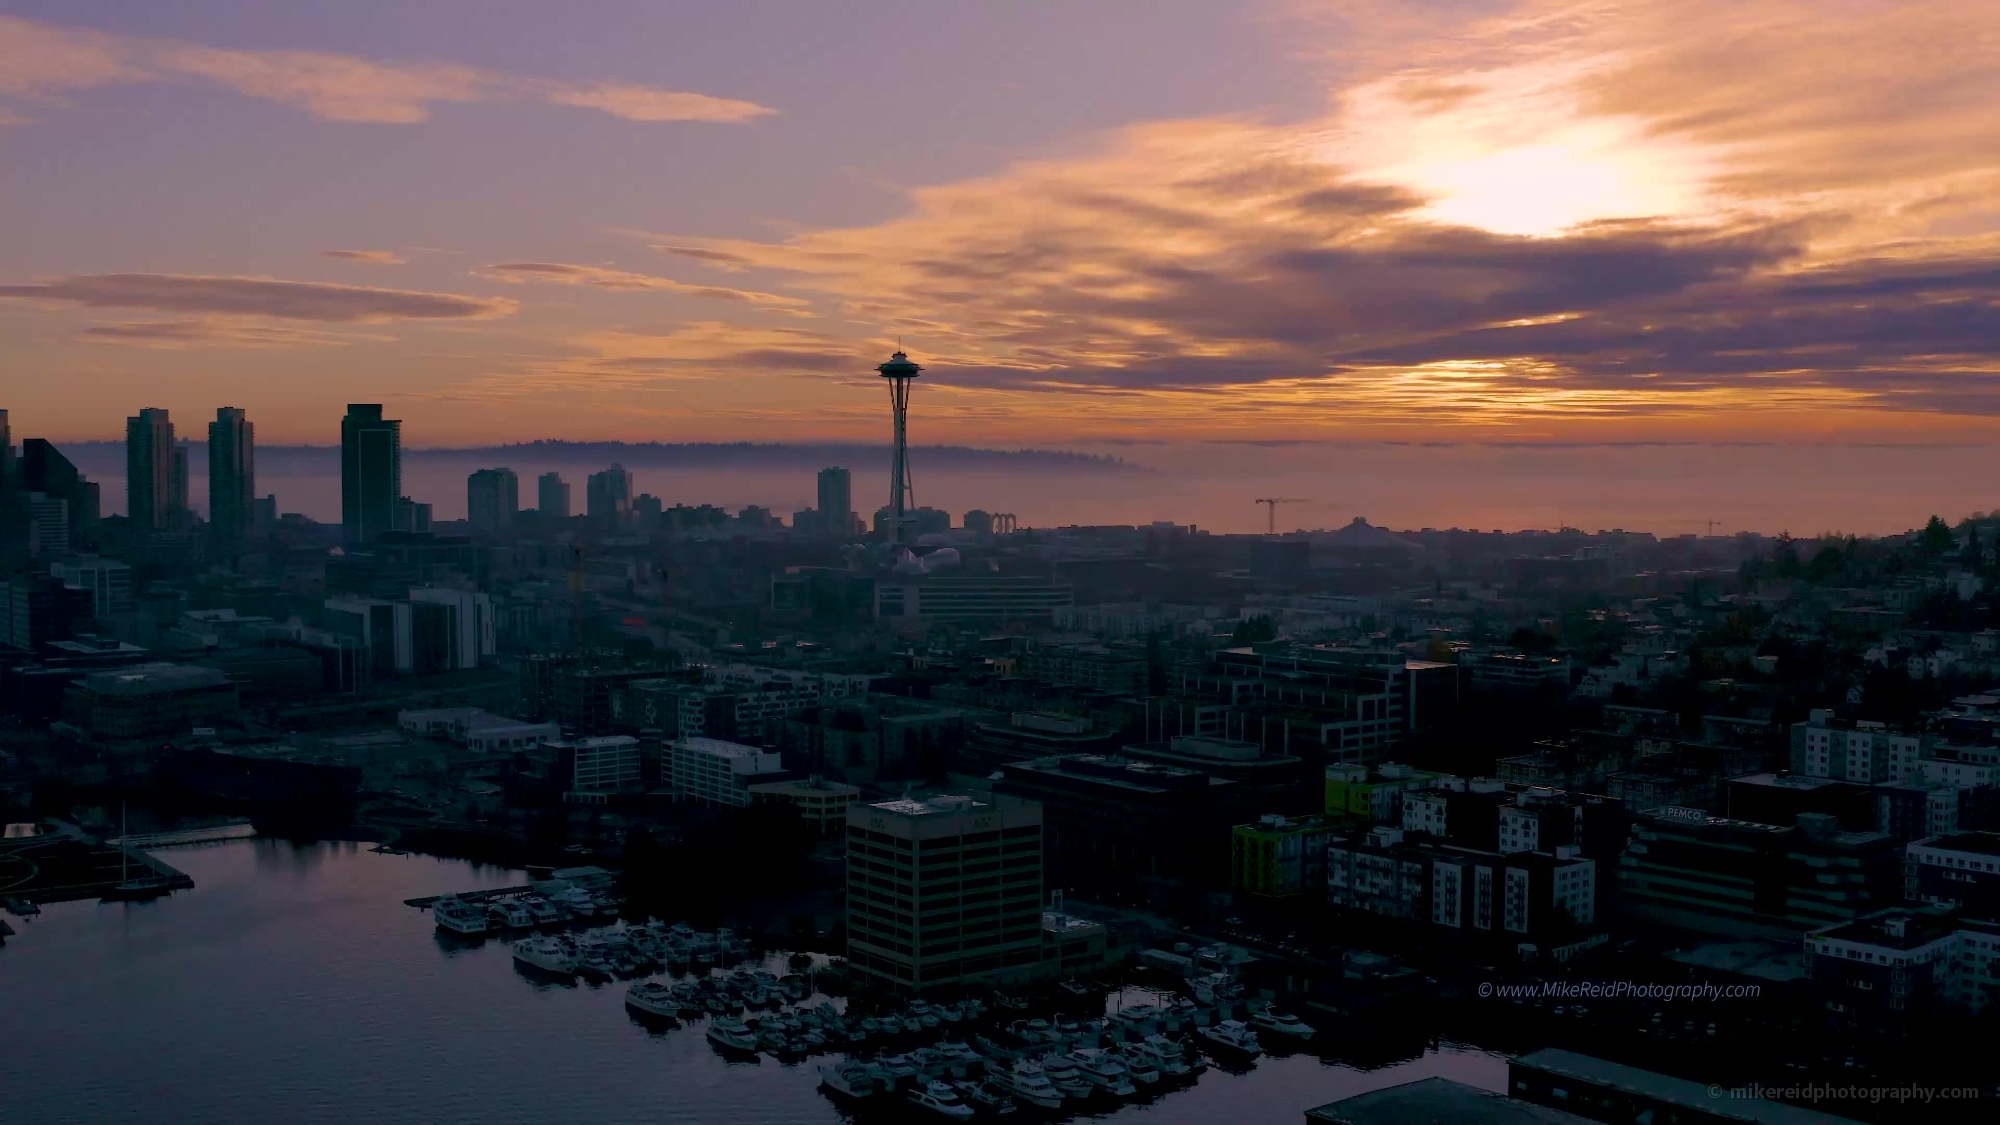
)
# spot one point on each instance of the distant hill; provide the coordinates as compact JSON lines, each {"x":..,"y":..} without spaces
{"x":107,"y":458}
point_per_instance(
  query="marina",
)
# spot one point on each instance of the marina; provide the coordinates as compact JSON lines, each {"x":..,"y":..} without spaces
{"x":411,"y":1022}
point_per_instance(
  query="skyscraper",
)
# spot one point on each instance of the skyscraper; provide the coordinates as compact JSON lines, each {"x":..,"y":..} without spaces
{"x":43,"y":468}
{"x":48,"y":525}
{"x":149,"y":470}
{"x":371,"y":471}
{"x":608,"y":496}
{"x":836,"y":501}
{"x":552,"y":496}
{"x":8,"y":469}
{"x":177,"y":488}
{"x":492,"y":496}
{"x":232,"y":478}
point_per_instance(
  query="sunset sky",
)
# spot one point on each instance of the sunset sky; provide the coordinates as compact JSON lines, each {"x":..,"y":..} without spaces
{"x":1089,"y":219}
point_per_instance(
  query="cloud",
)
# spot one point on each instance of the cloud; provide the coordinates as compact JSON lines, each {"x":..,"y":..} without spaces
{"x":259,"y":297}
{"x":40,"y":59}
{"x":210,"y":332}
{"x":597,"y":277}
{"x":372,"y":257}
{"x":1581,"y":212}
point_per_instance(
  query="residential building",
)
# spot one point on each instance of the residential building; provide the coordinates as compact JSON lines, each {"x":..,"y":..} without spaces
{"x":232,"y":479}
{"x":608,"y":497}
{"x":149,"y":470}
{"x":1374,"y":795}
{"x":836,"y":502}
{"x":1863,"y":751}
{"x":371,"y":472}
{"x":1533,"y":897}
{"x":1961,"y":869}
{"x":820,"y":803}
{"x":492,"y":496}
{"x":1106,"y":668}
{"x":969,"y":598}
{"x":1325,"y":705}
{"x":552,"y":496}
{"x":943,"y":892}
{"x":1279,"y":857}
{"x":1027,"y":735}
{"x":715,"y":772}
{"x":604,"y":764}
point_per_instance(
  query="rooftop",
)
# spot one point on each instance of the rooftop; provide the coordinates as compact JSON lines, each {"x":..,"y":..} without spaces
{"x":1895,"y":928}
{"x":1432,"y":1100}
{"x":1975,"y":843}
{"x":719,"y":747}
{"x":1673,"y":1091}
{"x":153,"y":679}
{"x":929,"y":806}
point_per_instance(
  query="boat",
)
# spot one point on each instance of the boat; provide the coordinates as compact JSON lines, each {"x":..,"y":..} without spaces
{"x":1215,"y":989}
{"x":1279,"y":1022}
{"x":128,"y":888}
{"x":896,"y":1070}
{"x":1232,"y":1037}
{"x":940,"y":1098}
{"x":799,"y":961}
{"x":1026,"y":1081}
{"x":654,"y":998}
{"x":514,"y":915}
{"x":543,"y":911}
{"x":1141,"y":1068}
{"x":461,"y":917}
{"x":732,"y":1034}
{"x":1105,"y":1071}
{"x":547,"y":955}
{"x":1163,"y":1055}
{"x":1066,"y":1077}
{"x":1139,"y":1020}
{"x":986,"y":1097}
{"x":851,"y":1079}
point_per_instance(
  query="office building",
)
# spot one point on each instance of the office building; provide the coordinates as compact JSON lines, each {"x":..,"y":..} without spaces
{"x":492,"y":496}
{"x":108,"y":580}
{"x":1111,"y":821}
{"x":969,"y":598}
{"x":232,"y":478}
{"x":377,"y":628}
{"x":42,"y":468}
{"x":48,"y":525}
{"x":608,"y":497}
{"x":149,"y":470}
{"x":820,"y":803}
{"x":1712,"y":874}
{"x":836,"y":502}
{"x":264,"y":513}
{"x":410,"y":516}
{"x":714,"y":772}
{"x":604,"y":764}
{"x":943,"y":892}
{"x":371,"y":472}
{"x":552,"y":496}
{"x":1905,"y":962}
{"x":148,"y":701}
{"x":450,"y":629}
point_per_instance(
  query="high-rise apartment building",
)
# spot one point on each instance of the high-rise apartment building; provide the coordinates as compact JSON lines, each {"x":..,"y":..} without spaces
{"x":371,"y":471}
{"x":836,"y":501}
{"x":48,"y":525}
{"x":232,"y":478}
{"x":492,"y":496}
{"x":608,"y":496}
{"x":149,"y":470}
{"x":552,"y":496}
{"x":9,"y":470}
{"x":177,"y":488}
{"x":943,"y":892}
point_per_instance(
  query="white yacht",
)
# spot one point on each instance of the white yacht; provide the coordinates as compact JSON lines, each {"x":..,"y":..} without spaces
{"x":732,"y":1034}
{"x":851,"y":1079}
{"x":1139,"y":1019}
{"x":462,"y":917}
{"x":1163,"y":1055}
{"x":942,"y":1099}
{"x":1280,"y":1022}
{"x":546,"y":954}
{"x":543,"y":911}
{"x":1105,"y":1071}
{"x":653,"y":997}
{"x":1064,"y":1075}
{"x":1141,"y":1068}
{"x":514,"y":915}
{"x":1232,"y":1037}
{"x":1216,"y":988}
{"x":1026,"y":1081}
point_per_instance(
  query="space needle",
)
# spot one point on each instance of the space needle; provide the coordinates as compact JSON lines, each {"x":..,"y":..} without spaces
{"x":899,"y":371}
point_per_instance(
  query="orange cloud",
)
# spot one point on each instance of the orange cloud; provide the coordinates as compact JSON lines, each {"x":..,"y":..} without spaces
{"x":372,"y":257}
{"x":259,"y":297}
{"x":598,"y":277}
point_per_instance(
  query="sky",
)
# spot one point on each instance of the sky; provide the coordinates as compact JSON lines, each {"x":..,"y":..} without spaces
{"x":1090,"y":220}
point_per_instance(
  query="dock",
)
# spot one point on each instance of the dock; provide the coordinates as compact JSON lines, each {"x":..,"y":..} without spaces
{"x":65,"y":865}
{"x":470,"y":896}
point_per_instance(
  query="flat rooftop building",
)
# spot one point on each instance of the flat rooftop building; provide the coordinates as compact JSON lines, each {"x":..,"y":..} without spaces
{"x":944,"y":891}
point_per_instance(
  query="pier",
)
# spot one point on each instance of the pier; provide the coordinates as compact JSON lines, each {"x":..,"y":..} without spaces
{"x":66,"y":864}
{"x":470,"y":896}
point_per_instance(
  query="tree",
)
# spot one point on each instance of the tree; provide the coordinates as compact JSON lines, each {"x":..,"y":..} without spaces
{"x":1251,"y":630}
{"x":1936,"y":538}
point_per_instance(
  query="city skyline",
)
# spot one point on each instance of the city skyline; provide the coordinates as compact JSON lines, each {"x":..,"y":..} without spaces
{"x":1467,"y":221}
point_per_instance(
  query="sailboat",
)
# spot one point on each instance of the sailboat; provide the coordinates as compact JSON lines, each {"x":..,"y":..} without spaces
{"x":145,"y":886}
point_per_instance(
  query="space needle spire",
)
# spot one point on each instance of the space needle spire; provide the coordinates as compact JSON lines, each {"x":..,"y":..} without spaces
{"x":899,"y":371}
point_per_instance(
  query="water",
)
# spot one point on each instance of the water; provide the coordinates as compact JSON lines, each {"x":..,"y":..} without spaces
{"x":293,"y":984}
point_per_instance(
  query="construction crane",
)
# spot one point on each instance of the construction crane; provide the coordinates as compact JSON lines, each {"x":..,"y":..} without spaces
{"x":1271,"y":510}
{"x":1712,"y":525}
